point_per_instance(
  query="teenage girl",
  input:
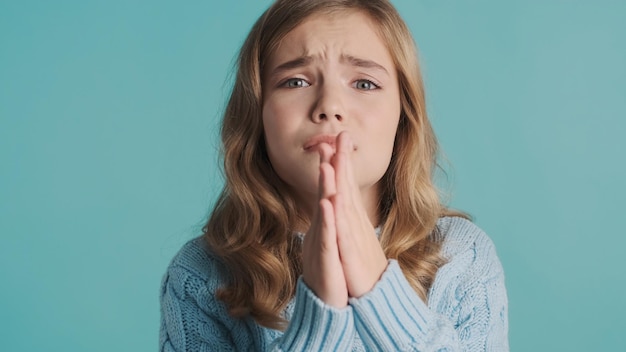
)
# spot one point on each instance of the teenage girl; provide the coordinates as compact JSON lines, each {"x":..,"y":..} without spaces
{"x":329,"y":234}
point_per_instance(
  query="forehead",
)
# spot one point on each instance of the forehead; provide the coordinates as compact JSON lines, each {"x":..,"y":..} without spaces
{"x":330,"y":36}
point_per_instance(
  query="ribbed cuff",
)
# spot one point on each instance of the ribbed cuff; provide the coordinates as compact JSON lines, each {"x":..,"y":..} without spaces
{"x":391,"y":316}
{"x":316,"y":326}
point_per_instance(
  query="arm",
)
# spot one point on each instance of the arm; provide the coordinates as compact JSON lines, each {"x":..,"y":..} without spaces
{"x":389,"y":315}
{"x":473,"y":316}
{"x":316,"y":326}
{"x":193,"y":320}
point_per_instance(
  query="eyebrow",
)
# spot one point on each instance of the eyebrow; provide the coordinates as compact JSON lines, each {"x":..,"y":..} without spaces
{"x":303,"y":61}
{"x":355,"y":61}
{"x":298,"y":62}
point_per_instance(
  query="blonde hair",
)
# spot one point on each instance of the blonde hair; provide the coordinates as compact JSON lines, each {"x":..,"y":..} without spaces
{"x":251,"y":227}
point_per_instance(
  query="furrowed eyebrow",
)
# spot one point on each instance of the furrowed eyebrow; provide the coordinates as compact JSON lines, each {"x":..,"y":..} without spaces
{"x":295,"y":63}
{"x":306,"y":60}
{"x":355,"y":61}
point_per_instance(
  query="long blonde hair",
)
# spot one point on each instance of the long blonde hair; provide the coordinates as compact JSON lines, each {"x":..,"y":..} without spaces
{"x":251,"y":227}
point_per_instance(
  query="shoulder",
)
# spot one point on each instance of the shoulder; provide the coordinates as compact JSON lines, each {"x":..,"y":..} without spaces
{"x":460,"y":236}
{"x":194,"y":273}
{"x":196,"y":257}
{"x":191,"y":314}
{"x":470,"y":254}
{"x":470,"y":287}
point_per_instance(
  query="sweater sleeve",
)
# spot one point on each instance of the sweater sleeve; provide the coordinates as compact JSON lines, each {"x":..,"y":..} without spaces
{"x":392,"y":317}
{"x":193,"y":320}
{"x":316,"y":326}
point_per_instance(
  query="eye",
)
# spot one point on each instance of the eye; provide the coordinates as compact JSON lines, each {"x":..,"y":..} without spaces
{"x":364,"y":84}
{"x":295,"y":83}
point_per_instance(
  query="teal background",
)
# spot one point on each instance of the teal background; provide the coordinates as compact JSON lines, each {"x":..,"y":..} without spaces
{"x":109,"y":113}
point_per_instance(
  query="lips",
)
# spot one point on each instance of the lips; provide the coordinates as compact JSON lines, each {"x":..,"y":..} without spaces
{"x":312,"y":143}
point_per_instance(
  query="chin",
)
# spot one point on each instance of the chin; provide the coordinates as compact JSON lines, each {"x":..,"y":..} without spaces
{"x":304,"y":191}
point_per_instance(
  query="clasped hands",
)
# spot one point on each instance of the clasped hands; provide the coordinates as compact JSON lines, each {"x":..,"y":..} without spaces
{"x":341,"y":254}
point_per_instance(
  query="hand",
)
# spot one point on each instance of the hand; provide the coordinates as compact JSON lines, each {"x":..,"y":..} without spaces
{"x":322,"y":269}
{"x":362,"y":258}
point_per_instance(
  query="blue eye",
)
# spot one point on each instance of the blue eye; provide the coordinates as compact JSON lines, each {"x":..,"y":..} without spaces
{"x":364,"y":84}
{"x":296,"y":83}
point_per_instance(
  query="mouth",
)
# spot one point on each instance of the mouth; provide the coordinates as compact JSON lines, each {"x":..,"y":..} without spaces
{"x":313,"y":143}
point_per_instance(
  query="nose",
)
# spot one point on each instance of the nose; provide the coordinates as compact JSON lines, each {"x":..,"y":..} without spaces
{"x":329,"y":105}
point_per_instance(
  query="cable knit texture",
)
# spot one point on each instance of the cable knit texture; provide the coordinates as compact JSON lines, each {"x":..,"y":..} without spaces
{"x":466,"y":310}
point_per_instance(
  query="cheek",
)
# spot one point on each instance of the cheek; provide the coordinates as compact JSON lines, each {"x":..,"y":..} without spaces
{"x":280,"y":130}
{"x":278,"y":119}
{"x":381,"y":127}
{"x":381,"y":123}
{"x":273,"y":129}
{"x":269,"y":118}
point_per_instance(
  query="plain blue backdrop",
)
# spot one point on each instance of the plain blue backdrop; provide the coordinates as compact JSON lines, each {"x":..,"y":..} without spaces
{"x":109,"y":112}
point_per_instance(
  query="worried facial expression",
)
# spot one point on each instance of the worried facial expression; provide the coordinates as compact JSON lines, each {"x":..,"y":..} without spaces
{"x":330,"y":74}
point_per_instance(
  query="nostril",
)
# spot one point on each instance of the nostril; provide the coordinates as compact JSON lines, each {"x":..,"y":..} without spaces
{"x":325,"y":117}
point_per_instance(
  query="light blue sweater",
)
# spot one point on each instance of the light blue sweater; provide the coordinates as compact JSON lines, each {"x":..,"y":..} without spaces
{"x":466,"y":311}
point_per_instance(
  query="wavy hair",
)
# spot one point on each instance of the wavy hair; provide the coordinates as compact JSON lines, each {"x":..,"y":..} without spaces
{"x":251,"y":227}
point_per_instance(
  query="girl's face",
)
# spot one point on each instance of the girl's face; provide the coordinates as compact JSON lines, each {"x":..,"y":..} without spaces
{"x":330,"y":74}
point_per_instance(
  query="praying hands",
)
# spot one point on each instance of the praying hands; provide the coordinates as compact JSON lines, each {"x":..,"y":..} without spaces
{"x":342,"y":256}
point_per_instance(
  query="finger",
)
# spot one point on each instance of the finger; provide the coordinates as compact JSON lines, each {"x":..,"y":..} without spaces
{"x":328,"y":186}
{"x":349,"y":149}
{"x":328,"y":239}
{"x":329,"y":232}
{"x":341,"y":216}
{"x":351,"y":184}
{"x":325,"y":189}
{"x":326,"y":152}
{"x":344,"y":186}
{"x":321,"y":267}
{"x":340,"y":161}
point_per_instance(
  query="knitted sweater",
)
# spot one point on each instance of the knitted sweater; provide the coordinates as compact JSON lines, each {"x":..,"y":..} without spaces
{"x":466,"y":310}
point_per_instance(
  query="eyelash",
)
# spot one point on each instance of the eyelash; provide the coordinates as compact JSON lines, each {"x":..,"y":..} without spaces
{"x":375,"y":86}
{"x":288,"y":81}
